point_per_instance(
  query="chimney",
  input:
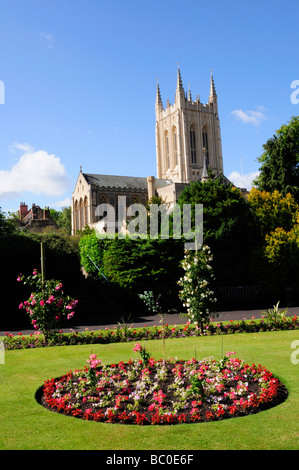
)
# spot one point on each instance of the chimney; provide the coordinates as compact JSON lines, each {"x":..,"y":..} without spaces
{"x":23,"y":210}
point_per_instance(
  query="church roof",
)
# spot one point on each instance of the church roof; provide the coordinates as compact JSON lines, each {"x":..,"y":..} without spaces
{"x":124,"y":182}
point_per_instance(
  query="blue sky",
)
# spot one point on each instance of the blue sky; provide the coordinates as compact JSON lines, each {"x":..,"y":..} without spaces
{"x":79,"y":85}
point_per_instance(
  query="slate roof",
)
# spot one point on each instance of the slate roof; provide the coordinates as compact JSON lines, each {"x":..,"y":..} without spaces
{"x":124,"y":182}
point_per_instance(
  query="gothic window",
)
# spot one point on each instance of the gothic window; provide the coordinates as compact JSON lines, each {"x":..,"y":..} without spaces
{"x":192,"y":144}
{"x":81,"y":221}
{"x":76,"y":216}
{"x":175,"y":146}
{"x":167,"y":150}
{"x":205,"y":141}
{"x":85,"y":211}
{"x":103,"y":199}
{"x":135,"y":199}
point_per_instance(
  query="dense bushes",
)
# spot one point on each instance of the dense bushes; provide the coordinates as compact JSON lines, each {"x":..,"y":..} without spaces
{"x":136,"y":265}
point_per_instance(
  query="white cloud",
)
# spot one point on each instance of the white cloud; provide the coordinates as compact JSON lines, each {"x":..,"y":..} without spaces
{"x":24,"y":147}
{"x":250,"y":117}
{"x":243,"y":181}
{"x":36,"y":172}
{"x":67,"y":202}
{"x":49,"y":38}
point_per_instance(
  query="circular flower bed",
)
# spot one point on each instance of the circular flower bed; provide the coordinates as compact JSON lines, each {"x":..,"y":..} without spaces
{"x":163,"y":392}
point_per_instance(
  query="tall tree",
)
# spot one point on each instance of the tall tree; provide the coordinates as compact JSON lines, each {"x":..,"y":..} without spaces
{"x":280,"y":161}
{"x":228,"y":228}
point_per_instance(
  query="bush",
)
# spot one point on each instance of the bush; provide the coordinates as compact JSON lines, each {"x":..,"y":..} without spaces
{"x":135,"y":265}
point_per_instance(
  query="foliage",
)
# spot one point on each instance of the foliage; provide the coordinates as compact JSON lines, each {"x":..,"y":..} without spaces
{"x":47,"y":304}
{"x":91,"y":252}
{"x":145,"y":355}
{"x":7,"y":225}
{"x":62,"y":219}
{"x":280,"y":161}
{"x":135,"y":265}
{"x":278,"y":219}
{"x":229,"y":229}
{"x":282,"y":247}
{"x":196,"y":292}
{"x":272,"y":210}
{"x":276,"y":316}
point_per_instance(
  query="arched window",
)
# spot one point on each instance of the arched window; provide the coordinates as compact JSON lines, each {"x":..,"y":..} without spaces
{"x":205,"y":142}
{"x":81,"y":220}
{"x":135,"y":199}
{"x":76,"y":216}
{"x":103,"y":199}
{"x":192,"y":144}
{"x":175,"y":146}
{"x":167,"y":150}
{"x":85,"y":211}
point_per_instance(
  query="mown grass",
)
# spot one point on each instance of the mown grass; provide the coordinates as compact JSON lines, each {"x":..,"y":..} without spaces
{"x":25,"y":425}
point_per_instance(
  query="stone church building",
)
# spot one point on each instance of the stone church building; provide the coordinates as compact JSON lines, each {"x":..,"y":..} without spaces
{"x":188,"y":142}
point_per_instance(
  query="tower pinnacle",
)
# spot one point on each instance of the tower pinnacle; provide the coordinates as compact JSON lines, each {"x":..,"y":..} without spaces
{"x":180,"y":93}
{"x":213,"y":94}
{"x":158,"y":97}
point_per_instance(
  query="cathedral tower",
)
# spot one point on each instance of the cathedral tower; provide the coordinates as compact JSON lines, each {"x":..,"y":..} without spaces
{"x":188,"y":136}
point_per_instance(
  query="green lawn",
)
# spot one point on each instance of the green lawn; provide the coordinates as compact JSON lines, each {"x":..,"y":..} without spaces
{"x":25,"y":425}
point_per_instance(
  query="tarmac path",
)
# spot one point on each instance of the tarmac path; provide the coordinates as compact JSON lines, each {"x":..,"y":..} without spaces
{"x":151,"y":320}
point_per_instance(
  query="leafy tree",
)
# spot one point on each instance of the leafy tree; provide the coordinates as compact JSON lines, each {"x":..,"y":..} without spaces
{"x":62,"y":219}
{"x":277,"y":217}
{"x":229,"y":228}
{"x":7,"y":224}
{"x":280,"y":161}
{"x":272,"y":210}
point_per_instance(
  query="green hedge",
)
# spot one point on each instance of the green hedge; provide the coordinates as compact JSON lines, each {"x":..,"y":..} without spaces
{"x":135,"y":265}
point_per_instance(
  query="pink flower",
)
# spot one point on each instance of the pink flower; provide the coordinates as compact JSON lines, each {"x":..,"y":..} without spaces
{"x":51,"y":299}
{"x":42,"y":303}
{"x":19,"y":278}
{"x":93,"y":361}
{"x":137,"y":347}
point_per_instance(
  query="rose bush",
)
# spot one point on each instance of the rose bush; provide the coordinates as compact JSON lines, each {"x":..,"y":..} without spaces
{"x":47,"y":304}
{"x":196,"y":292}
